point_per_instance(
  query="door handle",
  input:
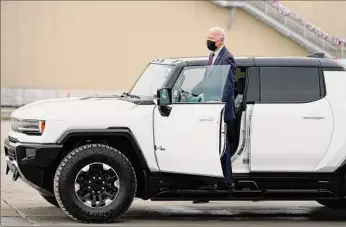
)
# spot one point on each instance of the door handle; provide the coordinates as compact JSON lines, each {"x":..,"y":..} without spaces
{"x":207,"y":118}
{"x":313,"y":118}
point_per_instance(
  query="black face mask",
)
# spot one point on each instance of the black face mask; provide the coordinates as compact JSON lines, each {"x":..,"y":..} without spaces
{"x":211,"y":45}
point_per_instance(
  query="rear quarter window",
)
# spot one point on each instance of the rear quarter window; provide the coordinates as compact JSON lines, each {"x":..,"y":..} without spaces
{"x":290,"y":84}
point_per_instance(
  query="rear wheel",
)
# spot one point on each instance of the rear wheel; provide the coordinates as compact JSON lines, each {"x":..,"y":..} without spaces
{"x":95,"y":183}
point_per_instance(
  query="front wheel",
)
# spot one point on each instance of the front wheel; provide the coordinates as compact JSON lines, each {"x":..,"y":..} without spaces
{"x":95,"y":183}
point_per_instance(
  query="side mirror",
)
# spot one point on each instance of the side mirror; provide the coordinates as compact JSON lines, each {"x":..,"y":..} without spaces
{"x":164,"y":96}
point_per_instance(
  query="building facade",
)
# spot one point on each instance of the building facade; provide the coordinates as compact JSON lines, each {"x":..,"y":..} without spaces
{"x":60,"y":48}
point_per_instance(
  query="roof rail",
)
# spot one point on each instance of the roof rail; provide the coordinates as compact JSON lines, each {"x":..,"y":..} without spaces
{"x":317,"y":55}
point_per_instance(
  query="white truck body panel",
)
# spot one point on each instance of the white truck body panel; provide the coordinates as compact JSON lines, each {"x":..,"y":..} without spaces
{"x":190,"y":139}
{"x":336,"y":96}
{"x":290,"y":137}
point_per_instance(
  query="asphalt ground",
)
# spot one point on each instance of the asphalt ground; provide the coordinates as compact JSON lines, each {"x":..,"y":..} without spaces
{"x":22,"y":205}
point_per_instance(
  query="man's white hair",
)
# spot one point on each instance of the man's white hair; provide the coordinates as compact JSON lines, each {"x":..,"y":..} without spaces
{"x":219,"y":30}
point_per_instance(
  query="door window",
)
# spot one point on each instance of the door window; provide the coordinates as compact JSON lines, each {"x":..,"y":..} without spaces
{"x":200,"y":84}
{"x":290,"y":84}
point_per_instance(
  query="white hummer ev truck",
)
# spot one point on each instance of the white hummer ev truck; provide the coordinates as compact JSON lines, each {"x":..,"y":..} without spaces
{"x":92,"y":156}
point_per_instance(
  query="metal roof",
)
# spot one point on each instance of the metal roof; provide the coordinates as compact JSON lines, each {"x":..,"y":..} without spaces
{"x":258,"y":61}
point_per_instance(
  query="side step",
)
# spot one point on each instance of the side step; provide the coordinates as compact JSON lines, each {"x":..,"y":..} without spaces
{"x":222,"y":195}
{"x":246,"y":190}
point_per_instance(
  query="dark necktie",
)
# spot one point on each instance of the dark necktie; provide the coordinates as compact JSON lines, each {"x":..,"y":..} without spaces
{"x":211,"y":58}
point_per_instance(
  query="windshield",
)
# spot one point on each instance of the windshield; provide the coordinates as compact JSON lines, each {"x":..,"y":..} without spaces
{"x":153,"y":78}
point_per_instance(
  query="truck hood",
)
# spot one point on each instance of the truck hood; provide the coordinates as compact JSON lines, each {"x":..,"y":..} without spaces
{"x":70,"y":108}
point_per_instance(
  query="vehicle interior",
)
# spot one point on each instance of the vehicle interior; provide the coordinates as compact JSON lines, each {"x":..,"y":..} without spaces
{"x":238,"y":97}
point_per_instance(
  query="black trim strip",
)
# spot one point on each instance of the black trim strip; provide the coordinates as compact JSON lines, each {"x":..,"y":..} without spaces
{"x":323,"y":89}
{"x":341,"y":69}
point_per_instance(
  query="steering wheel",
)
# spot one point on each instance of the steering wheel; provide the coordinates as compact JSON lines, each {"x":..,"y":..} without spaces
{"x":182,"y":91}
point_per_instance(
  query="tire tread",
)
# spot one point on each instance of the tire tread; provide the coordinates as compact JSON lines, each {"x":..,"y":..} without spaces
{"x":89,"y":217}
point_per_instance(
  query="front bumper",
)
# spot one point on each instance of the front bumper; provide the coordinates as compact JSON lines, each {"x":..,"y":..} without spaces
{"x":35,"y":164}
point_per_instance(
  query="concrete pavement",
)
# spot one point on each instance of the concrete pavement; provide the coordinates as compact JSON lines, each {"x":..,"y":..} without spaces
{"x":22,"y":205}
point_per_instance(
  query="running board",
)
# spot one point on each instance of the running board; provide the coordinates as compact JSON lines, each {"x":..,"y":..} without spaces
{"x":253,"y":186}
{"x":221,"y":195}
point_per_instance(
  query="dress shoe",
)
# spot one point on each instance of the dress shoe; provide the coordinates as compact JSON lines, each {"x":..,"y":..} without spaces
{"x":227,"y":186}
{"x":230,"y":186}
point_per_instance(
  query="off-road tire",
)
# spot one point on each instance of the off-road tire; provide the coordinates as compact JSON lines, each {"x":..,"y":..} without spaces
{"x":68,"y":170}
{"x":336,"y":204}
{"x":51,"y":200}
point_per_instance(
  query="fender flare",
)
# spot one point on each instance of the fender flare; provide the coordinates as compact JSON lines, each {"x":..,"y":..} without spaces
{"x":111,"y":131}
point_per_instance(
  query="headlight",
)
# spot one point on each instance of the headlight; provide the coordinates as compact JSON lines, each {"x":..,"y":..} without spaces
{"x":26,"y":126}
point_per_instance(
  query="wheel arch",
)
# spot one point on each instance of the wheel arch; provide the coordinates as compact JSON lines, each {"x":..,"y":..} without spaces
{"x":118,"y":137}
{"x":102,"y":133}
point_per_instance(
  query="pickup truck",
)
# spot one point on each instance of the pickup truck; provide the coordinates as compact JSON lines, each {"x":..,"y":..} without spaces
{"x":92,"y":156}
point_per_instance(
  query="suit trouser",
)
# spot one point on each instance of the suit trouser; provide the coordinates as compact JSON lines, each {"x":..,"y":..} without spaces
{"x":226,"y":158}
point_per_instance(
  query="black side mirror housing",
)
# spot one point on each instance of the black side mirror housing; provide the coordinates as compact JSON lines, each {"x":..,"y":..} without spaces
{"x":164,"y":97}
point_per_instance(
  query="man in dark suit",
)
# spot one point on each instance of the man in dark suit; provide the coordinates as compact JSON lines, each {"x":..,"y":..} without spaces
{"x":221,"y":56}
